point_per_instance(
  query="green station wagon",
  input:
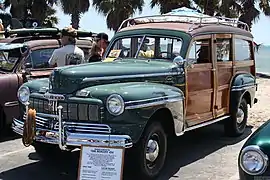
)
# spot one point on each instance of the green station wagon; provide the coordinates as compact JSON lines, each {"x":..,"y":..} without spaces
{"x":161,"y":76}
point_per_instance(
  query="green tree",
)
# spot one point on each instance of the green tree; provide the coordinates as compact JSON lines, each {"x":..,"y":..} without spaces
{"x":168,"y":5}
{"x":75,"y":8}
{"x":116,"y":11}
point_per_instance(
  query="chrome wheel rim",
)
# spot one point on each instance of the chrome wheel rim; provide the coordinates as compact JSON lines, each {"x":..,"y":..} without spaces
{"x":240,"y":116}
{"x":152,"y":151}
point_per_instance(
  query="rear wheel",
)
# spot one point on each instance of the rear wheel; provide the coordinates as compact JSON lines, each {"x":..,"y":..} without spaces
{"x":236,"y":124}
{"x":151,"y":151}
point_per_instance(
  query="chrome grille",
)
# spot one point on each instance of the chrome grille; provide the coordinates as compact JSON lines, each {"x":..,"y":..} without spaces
{"x":73,"y":127}
{"x":70,"y":111}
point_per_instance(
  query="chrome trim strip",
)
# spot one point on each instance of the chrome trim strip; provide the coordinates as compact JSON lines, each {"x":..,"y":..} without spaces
{"x":154,"y":103}
{"x":131,"y":76}
{"x":243,"y":87}
{"x":11,"y":103}
{"x":75,"y":139}
{"x":205,"y":123}
{"x":152,"y":99}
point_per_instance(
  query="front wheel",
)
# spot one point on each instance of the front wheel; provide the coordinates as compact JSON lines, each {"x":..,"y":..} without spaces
{"x":236,"y":124}
{"x":151,"y":151}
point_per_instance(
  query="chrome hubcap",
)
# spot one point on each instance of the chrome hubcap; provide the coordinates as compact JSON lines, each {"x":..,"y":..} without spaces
{"x":152,"y":150}
{"x":240,"y":115}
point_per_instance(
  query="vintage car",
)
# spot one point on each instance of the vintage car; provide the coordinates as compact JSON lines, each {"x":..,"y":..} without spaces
{"x":253,"y":159}
{"x":161,"y":76}
{"x":24,"y":54}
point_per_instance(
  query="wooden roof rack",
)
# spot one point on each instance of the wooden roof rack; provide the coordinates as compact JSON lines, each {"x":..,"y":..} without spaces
{"x":193,"y":20}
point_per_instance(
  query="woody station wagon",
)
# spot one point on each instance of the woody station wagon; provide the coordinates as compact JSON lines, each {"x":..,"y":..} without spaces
{"x":161,"y":76}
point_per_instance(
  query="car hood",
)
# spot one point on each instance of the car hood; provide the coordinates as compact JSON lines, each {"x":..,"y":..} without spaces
{"x":261,"y":138}
{"x":71,"y":78}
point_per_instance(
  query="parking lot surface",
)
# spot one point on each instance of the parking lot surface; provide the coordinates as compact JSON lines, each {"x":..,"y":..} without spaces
{"x":202,"y":155}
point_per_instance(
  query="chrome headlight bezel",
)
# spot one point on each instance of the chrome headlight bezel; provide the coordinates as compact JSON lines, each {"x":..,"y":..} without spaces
{"x":118,"y":98}
{"x":26,"y":90}
{"x":264,"y":157}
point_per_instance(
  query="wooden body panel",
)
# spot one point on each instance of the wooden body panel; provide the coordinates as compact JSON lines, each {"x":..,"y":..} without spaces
{"x":208,"y":84}
{"x":200,"y":93}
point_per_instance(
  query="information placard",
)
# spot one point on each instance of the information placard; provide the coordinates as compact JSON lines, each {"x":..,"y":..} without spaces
{"x":101,"y":163}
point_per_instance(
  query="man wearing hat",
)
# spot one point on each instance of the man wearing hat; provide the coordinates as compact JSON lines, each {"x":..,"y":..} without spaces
{"x":69,"y":54}
{"x":102,"y":41}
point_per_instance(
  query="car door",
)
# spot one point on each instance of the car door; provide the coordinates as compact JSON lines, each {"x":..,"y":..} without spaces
{"x":200,"y":81}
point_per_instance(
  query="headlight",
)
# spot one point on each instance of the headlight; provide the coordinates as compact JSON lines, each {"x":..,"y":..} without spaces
{"x":253,"y":161}
{"x":115,"y":104}
{"x":23,"y":94}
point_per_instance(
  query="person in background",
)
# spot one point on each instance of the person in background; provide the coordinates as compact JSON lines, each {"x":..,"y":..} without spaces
{"x":69,"y":54}
{"x":102,"y":41}
{"x":95,"y":54}
{"x":2,"y":29}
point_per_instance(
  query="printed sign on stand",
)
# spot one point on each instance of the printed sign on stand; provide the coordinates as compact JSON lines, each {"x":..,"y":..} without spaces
{"x":101,"y":163}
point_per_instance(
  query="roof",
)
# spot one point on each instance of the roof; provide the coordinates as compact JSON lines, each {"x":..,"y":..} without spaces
{"x":185,"y":27}
{"x":193,"y":25}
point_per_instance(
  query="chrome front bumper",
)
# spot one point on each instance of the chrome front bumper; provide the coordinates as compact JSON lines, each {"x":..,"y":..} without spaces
{"x":62,"y":133}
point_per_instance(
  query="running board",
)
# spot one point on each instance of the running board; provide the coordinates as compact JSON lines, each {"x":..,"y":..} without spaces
{"x":205,"y":124}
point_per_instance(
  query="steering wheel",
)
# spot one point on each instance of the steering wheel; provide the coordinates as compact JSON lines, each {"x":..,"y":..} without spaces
{"x":172,"y":55}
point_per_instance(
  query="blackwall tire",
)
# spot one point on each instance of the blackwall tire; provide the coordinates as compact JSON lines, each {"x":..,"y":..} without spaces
{"x":151,"y":151}
{"x":236,"y":124}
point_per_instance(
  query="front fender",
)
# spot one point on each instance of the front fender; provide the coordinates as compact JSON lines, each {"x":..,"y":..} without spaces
{"x":142,"y":100}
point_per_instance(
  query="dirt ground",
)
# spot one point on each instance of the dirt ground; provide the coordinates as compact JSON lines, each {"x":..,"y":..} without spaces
{"x":260,"y":112}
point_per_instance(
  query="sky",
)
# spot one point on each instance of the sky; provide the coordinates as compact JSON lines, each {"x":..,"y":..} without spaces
{"x":95,"y":22}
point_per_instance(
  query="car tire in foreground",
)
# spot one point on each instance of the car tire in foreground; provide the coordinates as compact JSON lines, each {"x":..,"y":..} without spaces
{"x":236,"y":124}
{"x":151,"y":151}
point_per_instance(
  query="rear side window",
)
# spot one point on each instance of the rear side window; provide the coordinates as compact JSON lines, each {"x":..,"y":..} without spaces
{"x":242,"y":50}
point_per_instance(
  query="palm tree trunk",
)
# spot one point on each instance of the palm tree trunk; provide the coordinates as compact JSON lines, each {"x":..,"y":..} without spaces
{"x":75,"y":20}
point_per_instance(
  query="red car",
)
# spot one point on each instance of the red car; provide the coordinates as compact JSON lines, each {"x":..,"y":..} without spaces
{"x":23,"y":56}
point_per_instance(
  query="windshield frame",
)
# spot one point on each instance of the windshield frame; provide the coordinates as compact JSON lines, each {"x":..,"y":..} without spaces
{"x":142,"y":36}
{"x":20,"y":46}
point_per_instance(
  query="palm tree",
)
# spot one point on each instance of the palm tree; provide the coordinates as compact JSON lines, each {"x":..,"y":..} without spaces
{"x":40,"y":9}
{"x":168,"y":5}
{"x":250,"y":13}
{"x":117,"y":11}
{"x":75,"y":8}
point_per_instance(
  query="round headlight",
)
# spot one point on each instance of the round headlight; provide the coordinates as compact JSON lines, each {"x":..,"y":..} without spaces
{"x":253,"y":161}
{"x":115,"y":104}
{"x":23,"y":94}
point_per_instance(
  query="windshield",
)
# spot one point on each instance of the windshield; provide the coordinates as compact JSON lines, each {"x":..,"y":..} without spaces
{"x":149,"y":47}
{"x":9,"y":58}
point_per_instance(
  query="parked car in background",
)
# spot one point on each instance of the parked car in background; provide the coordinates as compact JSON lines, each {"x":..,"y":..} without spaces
{"x":24,"y":55}
{"x":162,"y":76}
{"x":253,"y":159}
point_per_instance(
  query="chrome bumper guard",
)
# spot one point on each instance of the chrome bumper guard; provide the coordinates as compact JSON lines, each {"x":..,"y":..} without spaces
{"x":62,"y":136}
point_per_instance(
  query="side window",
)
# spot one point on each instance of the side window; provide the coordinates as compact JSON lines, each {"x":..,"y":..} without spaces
{"x":223,"y":50}
{"x":242,"y":50}
{"x":40,"y":57}
{"x":200,"y":51}
{"x":121,"y":48}
{"x":170,"y":48}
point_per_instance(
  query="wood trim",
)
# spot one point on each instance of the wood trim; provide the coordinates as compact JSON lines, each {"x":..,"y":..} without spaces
{"x":201,"y":67}
{"x":222,"y":111}
{"x":223,"y":36}
{"x":201,"y":91}
{"x":200,"y":37}
{"x":246,"y":63}
{"x":226,"y":64}
{"x":220,"y":88}
{"x":193,"y":119}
